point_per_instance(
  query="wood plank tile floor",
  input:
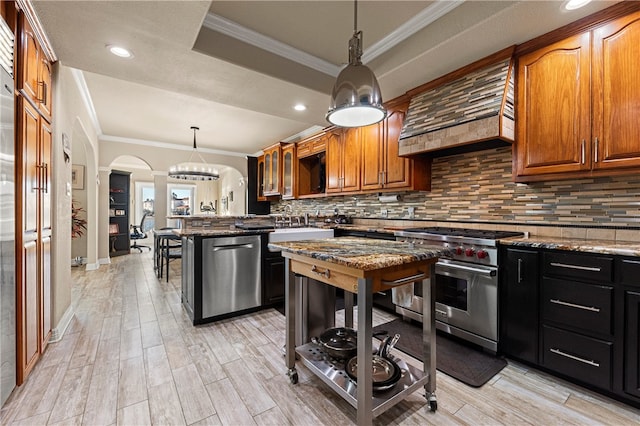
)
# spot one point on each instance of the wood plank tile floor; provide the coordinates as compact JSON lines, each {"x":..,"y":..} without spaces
{"x":130,"y":356}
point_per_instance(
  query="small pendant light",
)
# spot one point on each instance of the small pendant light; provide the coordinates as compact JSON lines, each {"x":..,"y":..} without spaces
{"x":356,"y":99}
{"x":193,"y":170}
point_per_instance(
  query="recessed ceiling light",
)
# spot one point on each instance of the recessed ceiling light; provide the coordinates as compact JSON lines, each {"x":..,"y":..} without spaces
{"x":299,"y":107}
{"x":575,"y":4}
{"x":119,"y":51}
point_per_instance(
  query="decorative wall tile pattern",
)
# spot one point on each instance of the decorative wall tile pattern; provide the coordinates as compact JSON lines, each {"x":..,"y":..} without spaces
{"x":475,"y":96}
{"x":478,"y":187}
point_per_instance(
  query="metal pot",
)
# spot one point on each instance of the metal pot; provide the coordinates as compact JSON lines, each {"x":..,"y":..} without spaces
{"x":340,"y":342}
{"x":385,"y":375}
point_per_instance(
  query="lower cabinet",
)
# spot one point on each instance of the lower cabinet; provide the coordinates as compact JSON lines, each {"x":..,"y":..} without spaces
{"x":272,"y":275}
{"x":273,"y":280}
{"x":574,"y":314}
{"x":519,"y":304}
{"x":632,"y":349}
{"x":629,"y":273}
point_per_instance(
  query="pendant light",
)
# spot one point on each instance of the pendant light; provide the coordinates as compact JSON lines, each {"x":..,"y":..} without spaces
{"x":193,"y":170}
{"x":356,"y":99}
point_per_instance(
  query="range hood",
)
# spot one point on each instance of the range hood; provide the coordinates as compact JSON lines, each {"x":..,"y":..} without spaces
{"x":472,"y":112}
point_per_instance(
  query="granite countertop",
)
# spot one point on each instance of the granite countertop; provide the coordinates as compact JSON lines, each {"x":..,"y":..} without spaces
{"x":622,"y":248}
{"x":360,"y":253}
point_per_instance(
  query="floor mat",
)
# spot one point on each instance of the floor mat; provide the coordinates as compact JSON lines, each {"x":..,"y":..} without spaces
{"x":465,"y":362}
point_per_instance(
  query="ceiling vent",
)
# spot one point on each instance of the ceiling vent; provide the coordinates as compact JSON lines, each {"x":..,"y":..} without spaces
{"x":470,"y":113}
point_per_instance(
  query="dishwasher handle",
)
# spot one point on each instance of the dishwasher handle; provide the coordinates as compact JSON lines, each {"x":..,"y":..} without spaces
{"x":233,"y":246}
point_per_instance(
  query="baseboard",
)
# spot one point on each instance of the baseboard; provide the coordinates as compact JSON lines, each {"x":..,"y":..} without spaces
{"x":58,"y":332}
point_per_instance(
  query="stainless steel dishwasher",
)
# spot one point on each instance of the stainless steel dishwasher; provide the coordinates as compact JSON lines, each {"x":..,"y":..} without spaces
{"x":230,"y":274}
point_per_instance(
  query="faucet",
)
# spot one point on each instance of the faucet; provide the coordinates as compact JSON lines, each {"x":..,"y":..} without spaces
{"x":287,"y":213}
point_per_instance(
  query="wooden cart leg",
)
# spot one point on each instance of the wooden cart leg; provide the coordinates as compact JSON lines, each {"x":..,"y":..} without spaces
{"x":290,"y":313}
{"x":364,"y":392}
{"x":429,"y":335}
{"x":348,"y":309}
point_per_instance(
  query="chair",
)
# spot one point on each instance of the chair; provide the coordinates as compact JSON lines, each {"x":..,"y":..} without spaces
{"x":138,"y":233}
{"x":170,"y":248}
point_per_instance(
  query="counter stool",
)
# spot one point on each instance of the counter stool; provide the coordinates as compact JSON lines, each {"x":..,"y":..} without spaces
{"x":170,"y":248}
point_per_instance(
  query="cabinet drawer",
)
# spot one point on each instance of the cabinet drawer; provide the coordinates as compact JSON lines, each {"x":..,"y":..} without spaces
{"x":585,"y":306}
{"x":577,"y":356}
{"x":629,"y":271}
{"x":592,"y":268}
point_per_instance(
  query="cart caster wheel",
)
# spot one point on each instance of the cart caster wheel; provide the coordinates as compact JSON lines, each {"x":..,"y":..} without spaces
{"x":293,"y":376}
{"x":433,"y":403}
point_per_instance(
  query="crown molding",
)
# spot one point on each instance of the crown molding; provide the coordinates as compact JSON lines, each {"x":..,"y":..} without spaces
{"x":81,"y":83}
{"x":166,"y":145}
{"x":421,"y":20}
{"x":227,"y":27}
{"x":27,"y":8}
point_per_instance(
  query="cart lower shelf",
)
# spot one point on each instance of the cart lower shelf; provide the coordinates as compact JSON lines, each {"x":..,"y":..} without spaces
{"x":332,"y":373}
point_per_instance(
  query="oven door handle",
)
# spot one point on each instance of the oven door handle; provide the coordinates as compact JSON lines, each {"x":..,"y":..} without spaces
{"x":406,"y":280}
{"x":490,"y":272}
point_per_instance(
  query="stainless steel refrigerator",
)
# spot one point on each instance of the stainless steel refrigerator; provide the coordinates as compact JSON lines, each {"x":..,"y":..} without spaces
{"x":7,"y":239}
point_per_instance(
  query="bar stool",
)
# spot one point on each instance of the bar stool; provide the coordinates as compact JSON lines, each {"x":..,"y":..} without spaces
{"x":170,"y":249}
{"x":158,"y":246}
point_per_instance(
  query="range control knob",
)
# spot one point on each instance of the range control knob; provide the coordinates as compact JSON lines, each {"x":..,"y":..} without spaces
{"x":469,"y":252}
{"x":459,"y":250}
{"x":482,"y":254}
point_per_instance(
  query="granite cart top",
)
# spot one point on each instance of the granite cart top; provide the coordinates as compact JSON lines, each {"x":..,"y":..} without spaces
{"x":622,"y":248}
{"x":360,"y":253}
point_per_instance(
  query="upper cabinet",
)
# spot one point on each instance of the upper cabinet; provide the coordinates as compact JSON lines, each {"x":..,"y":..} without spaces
{"x":310,"y":169}
{"x":343,"y":160}
{"x":35,"y":71}
{"x":577,"y":105}
{"x":289,"y":164}
{"x":272,"y":170}
{"x":382,"y":168}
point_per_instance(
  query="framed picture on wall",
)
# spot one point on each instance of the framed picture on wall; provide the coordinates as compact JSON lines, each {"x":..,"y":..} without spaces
{"x":77,"y":176}
{"x":113,"y":228}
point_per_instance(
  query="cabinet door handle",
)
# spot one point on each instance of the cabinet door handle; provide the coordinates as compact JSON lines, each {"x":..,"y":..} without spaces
{"x":582,"y":151}
{"x":326,"y":273}
{"x":45,"y":177}
{"x":581,"y":268}
{"x":406,"y":280}
{"x":384,"y":178}
{"x":595,"y":150}
{"x":519,"y":271}
{"x":39,"y":181}
{"x":576,"y":358}
{"x":379,"y":178}
{"x":573,"y":305}
{"x":632,"y":262}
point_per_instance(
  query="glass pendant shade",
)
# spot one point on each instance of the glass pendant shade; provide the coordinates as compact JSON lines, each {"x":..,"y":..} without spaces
{"x":192,"y":170}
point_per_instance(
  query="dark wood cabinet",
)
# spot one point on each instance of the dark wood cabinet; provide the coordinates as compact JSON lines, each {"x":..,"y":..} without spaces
{"x":631,"y":338}
{"x":574,"y":314}
{"x":519,"y":304}
{"x":119,"y":242}
{"x":272,"y":275}
{"x":628,"y":271}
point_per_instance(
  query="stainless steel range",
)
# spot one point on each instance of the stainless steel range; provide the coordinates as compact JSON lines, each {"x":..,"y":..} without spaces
{"x":466,"y":283}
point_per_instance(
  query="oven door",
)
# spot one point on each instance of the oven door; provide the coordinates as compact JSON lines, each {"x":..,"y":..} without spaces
{"x":467,"y":297}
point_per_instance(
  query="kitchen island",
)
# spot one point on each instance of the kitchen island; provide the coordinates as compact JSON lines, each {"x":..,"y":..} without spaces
{"x":362,"y":266}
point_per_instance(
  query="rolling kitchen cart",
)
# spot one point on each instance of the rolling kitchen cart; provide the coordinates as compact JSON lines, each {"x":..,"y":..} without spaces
{"x":363,"y":280}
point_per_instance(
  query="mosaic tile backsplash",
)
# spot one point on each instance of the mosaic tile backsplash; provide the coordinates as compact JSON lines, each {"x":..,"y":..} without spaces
{"x":478,"y":187}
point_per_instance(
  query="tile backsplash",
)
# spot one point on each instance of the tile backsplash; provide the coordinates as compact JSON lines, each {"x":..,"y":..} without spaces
{"x":478,"y":187}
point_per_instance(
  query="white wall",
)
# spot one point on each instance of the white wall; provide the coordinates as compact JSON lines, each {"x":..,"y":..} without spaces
{"x":70,"y":118}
